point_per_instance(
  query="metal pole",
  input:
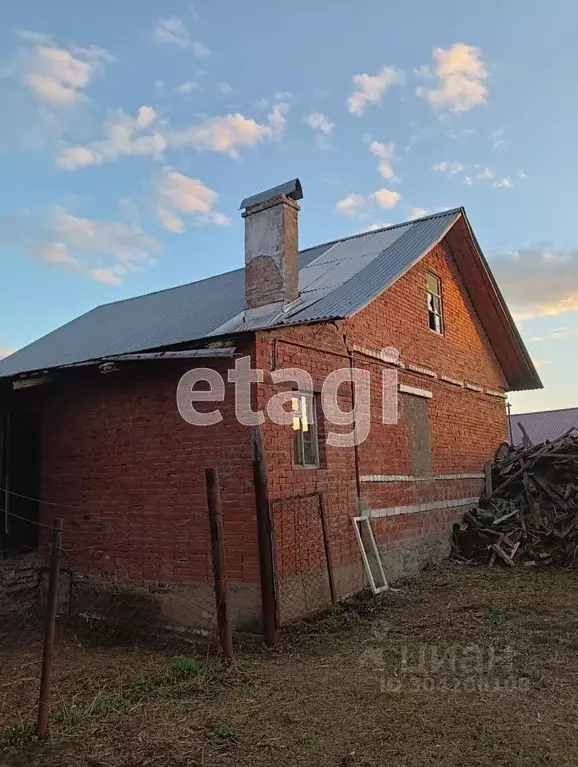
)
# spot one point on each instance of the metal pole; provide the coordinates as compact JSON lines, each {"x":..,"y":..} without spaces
{"x":49,"y":629}
{"x":3,"y":542}
{"x":7,"y":477}
{"x":268,"y":606}
{"x":219,"y":570}
{"x":327,"y":549}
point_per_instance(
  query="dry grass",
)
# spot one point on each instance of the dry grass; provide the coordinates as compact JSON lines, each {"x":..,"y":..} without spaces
{"x":336,"y":692}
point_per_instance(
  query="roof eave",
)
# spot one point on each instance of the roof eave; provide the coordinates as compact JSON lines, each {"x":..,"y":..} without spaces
{"x":527,"y":377}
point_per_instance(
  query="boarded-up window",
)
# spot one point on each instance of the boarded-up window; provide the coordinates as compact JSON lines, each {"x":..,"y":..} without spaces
{"x":416,"y":415}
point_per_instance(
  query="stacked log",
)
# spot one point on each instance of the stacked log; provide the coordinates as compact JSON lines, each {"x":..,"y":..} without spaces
{"x":528,"y":513}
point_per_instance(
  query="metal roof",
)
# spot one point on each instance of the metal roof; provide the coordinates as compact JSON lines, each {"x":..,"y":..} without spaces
{"x":543,"y":425}
{"x":336,"y":279}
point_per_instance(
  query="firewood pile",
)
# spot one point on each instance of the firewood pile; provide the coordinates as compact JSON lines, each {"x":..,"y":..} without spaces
{"x":528,"y":514}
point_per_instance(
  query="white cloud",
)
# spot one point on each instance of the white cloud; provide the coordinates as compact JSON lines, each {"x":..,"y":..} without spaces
{"x":558,"y":334}
{"x":356,"y":205}
{"x":371,"y":88}
{"x":450,"y":168}
{"x":229,"y":133}
{"x":497,"y":137}
{"x":77,"y":157}
{"x":375,"y":226}
{"x":538,"y":281}
{"x":460,"y":74}
{"x":278,"y":119}
{"x":199,"y":50}
{"x":460,"y":135}
{"x":58,"y":75}
{"x":486,"y":175}
{"x":224,"y":88}
{"x":178,"y":194}
{"x":187,"y":87}
{"x":386,"y":155}
{"x":385,"y":198}
{"x":124,"y":135}
{"x":5,"y":351}
{"x":145,"y":117}
{"x":418,"y":213}
{"x":322,"y":127}
{"x":474,"y":173}
{"x":319,"y":122}
{"x":351,"y":205}
{"x":147,"y":135}
{"x":174,"y":31}
{"x":105,"y":251}
{"x":504,"y":183}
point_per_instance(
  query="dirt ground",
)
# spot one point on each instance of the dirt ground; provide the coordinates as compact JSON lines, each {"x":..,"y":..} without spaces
{"x":460,"y":666}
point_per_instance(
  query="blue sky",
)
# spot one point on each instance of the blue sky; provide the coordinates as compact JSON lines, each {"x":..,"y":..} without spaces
{"x":130,"y":133}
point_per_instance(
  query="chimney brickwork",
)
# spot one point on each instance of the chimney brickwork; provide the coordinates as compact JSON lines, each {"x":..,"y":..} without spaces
{"x":271,"y":252}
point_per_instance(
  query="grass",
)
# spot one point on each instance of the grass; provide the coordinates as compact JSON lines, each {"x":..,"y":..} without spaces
{"x":461,"y":666}
{"x":307,"y":738}
{"x":19,"y":734}
{"x":225,"y":732}
{"x":499,"y":615}
{"x":185,"y":667}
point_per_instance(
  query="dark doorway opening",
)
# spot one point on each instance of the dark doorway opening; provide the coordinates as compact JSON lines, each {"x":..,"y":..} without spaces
{"x":19,"y":481}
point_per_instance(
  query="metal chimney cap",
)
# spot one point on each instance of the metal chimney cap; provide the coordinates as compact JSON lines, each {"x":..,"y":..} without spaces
{"x":292,"y":189}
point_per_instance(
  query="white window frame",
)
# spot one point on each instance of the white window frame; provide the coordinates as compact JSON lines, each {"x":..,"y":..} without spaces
{"x":376,"y":588}
{"x":304,"y":408}
{"x":435,"y":305}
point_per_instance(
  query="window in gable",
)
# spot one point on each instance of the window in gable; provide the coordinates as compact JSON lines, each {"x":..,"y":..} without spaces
{"x":434,"y":303}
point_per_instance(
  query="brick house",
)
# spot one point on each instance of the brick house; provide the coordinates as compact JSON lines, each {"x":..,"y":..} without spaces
{"x":91,"y":426}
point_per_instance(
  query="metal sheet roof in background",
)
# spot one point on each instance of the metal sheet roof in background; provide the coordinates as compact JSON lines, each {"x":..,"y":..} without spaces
{"x":544,"y":425}
{"x":335,"y":278}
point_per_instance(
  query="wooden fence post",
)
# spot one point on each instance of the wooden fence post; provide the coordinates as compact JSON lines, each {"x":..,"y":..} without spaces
{"x":219,"y":569}
{"x":268,"y":605}
{"x":49,"y":629}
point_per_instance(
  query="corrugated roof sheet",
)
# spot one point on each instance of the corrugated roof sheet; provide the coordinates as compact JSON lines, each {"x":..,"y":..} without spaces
{"x":544,"y":425}
{"x":336,"y":279}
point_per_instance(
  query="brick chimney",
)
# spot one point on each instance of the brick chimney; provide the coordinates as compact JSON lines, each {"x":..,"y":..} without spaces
{"x":271,"y":248}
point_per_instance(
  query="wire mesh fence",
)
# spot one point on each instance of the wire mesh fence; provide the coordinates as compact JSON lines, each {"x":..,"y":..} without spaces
{"x":131,"y":591}
{"x":303,"y":570}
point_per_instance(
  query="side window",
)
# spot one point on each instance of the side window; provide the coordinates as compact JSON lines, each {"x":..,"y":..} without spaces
{"x":434,"y":303}
{"x":305,"y":431}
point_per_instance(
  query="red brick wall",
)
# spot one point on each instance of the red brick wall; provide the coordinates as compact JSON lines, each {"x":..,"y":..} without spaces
{"x":336,"y":478}
{"x":398,"y":318}
{"x":466,"y":426}
{"x":130,"y":473}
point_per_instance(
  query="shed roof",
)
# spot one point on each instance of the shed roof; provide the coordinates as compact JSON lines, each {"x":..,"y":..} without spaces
{"x":336,"y":279}
{"x":543,"y":425}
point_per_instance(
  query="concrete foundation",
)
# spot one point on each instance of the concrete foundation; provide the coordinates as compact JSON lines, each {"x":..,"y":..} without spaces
{"x":407,"y":557}
{"x":156,"y":606}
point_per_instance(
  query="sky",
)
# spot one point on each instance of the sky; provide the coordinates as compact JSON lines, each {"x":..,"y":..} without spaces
{"x":130,"y":132}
